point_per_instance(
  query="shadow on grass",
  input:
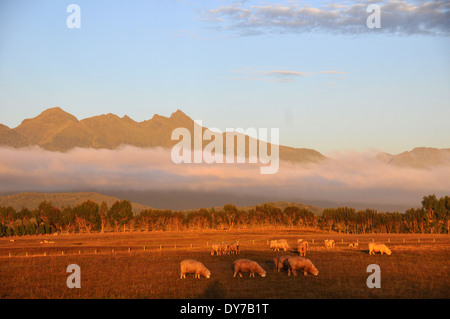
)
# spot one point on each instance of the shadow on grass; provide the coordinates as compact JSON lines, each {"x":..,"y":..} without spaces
{"x":214,"y":290}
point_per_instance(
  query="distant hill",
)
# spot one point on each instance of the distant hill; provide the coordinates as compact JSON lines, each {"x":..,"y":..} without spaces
{"x":419,"y":157}
{"x":56,"y":130}
{"x":32,"y":200}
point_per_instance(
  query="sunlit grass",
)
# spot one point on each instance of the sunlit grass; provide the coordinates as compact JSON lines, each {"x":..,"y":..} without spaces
{"x":414,"y":270}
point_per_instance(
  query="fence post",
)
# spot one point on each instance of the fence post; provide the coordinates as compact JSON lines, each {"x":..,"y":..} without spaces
{"x":160,"y":246}
{"x":313,"y":240}
{"x":129,"y":249}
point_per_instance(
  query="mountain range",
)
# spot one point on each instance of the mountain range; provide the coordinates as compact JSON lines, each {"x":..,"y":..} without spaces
{"x":56,"y":130}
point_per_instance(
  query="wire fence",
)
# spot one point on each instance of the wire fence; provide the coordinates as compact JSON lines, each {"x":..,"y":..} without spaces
{"x":129,"y":249}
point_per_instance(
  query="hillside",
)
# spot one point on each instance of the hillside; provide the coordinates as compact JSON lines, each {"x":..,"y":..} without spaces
{"x":32,"y":200}
{"x":56,"y":130}
{"x":419,"y":157}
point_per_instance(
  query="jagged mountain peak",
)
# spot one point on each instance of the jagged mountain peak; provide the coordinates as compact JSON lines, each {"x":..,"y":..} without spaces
{"x":56,"y":130}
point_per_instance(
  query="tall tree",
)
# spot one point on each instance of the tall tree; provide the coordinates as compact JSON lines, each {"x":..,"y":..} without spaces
{"x":87,"y":216}
{"x":120,"y":213}
{"x":103,"y":212}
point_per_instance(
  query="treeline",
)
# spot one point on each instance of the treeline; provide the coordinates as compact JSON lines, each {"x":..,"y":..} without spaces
{"x":432,"y":217}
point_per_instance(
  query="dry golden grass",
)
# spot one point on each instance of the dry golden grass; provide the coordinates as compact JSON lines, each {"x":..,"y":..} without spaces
{"x":414,"y":270}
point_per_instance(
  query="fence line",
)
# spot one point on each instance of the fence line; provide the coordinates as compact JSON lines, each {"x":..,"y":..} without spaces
{"x":155,"y":248}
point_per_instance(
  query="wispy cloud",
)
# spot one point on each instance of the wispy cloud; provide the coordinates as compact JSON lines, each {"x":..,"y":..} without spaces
{"x":399,"y":17}
{"x":277,"y":75}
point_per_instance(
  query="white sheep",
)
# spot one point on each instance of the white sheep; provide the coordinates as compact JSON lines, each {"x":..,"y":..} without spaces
{"x":191,"y":266}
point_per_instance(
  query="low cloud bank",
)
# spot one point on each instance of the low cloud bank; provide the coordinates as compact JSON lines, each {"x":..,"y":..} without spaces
{"x":344,"y":177}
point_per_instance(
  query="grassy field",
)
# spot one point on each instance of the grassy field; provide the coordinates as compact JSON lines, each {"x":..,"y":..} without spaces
{"x":117,"y":266}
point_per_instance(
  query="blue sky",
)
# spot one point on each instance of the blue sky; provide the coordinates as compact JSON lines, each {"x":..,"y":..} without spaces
{"x":311,"y":68}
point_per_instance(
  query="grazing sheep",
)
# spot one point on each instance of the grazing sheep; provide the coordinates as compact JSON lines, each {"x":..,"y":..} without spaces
{"x":300,"y":263}
{"x":273,"y":244}
{"x":301,"y":250}
{"x":302,"y":247}
{"x":47,"y":242}
{"x":215,"y":249}
{"x":225,"y":248}
{"x":190,"y":266}
{"x":247,"y":265}
{"x":378,"y":248}
{"x":279,"y":263}
{"x":329,"y":243}
{"x":354,"y":245}
{"x":276,"y":245}
{"x":234,"y":248}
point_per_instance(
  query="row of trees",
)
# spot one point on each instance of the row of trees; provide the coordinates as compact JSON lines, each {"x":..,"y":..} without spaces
{"x":432,"y":217}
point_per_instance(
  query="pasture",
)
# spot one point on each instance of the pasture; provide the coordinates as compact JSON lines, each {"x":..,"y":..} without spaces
{"x":146,"y":265}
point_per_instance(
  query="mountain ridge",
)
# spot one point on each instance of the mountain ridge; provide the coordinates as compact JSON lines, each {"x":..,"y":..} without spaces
{"x":418,"y":157}
{"x":57,"y":130}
